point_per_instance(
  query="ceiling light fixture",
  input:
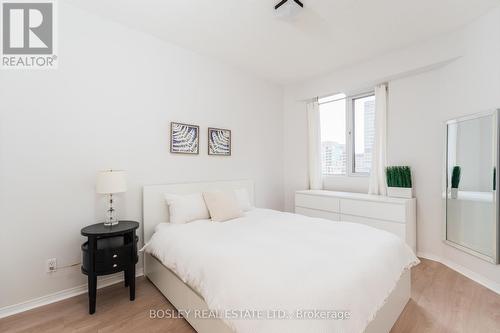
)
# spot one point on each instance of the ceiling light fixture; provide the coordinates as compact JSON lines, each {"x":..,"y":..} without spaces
{"x":288,"y":8}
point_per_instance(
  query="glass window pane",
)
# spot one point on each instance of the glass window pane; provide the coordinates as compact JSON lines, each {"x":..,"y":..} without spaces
{"x":364,"y":133}
{"x":333,"y":137}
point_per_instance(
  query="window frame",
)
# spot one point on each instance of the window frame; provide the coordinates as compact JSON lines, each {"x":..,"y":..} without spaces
{"x":350,"y":136}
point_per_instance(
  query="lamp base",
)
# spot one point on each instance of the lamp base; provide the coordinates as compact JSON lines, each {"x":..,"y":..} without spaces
{"x":111,"y":216}
{"x":110,"y":223}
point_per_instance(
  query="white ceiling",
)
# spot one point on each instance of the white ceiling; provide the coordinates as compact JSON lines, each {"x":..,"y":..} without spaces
{"x":327,"y":35}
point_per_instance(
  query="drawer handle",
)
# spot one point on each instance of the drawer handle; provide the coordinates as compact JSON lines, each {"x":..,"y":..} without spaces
{"x":114,"y":265}
{"x":115,"y":255}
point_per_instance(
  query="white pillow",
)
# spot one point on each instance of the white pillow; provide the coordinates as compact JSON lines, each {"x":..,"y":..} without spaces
{"x":243,"y":199}
{"x":186,"y":208}
{"x":222,"y":206}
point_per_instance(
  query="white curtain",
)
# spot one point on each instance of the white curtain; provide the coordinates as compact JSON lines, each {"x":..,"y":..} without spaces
{"x":313,"y":121}
{"x":378,"y":182}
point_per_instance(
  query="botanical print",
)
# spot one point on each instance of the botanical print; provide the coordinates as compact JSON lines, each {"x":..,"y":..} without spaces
{"x":184,"y":138}
{"x":219,"y":141}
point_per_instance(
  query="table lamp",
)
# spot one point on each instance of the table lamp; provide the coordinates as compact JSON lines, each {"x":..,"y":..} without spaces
{"x":110,"y":182}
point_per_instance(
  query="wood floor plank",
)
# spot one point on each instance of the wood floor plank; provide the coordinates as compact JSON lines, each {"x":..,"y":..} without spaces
{"x":442,"y":301}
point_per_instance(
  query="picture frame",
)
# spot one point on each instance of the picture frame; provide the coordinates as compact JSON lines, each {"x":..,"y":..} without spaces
{"x":184,"y":138}
{"x":219,"y":141}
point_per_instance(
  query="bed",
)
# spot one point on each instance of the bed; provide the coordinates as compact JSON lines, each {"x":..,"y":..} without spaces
{"x":198,"y":277}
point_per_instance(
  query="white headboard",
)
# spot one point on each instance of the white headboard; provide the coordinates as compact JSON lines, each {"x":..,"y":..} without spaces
{"x":155,"y":208}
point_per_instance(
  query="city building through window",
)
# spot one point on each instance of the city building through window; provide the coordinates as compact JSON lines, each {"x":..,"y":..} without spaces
{"x":347,"y":133}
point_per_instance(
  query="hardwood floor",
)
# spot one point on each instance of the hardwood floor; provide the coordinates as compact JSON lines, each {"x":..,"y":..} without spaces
{"x":114,"y":313}
{"x":442,"y":301}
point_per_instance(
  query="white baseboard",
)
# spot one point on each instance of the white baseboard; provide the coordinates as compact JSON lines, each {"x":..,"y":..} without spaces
{"x":61,"y":295}
{"x":492,"y":285}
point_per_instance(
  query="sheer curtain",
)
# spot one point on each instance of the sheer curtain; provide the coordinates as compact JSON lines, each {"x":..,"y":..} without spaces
{"x":313,"y":121}
{"x":378,"y":183}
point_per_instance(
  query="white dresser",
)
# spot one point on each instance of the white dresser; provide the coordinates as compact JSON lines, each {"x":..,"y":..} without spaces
{"x":395,"y":215}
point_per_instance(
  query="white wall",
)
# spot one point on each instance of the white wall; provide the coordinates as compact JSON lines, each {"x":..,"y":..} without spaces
{"x":401,"y":63}
{"x":423,"y":94}
{"x":109,"y":105}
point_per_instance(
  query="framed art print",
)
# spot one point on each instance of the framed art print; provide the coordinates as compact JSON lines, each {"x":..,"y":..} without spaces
{"x":184,"y":138}
{"x":219,"y":141}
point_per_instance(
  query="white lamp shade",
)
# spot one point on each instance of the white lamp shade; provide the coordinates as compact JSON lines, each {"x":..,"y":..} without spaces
{"x":111,"y":181}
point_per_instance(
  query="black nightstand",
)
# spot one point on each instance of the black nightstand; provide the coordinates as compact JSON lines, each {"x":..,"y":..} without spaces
{"x":109,"y":250}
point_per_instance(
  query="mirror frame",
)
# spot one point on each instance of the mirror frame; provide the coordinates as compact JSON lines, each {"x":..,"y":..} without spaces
{"x":444,"y":194}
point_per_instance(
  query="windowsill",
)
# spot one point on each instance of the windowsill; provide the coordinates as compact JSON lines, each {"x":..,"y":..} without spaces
{"x":354,"y":175}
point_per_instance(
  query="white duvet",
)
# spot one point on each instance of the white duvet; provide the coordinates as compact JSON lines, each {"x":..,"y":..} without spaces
{"x":269,"y":264}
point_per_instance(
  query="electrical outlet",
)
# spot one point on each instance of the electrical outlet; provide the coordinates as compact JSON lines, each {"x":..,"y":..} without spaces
{"x":51,"y":265}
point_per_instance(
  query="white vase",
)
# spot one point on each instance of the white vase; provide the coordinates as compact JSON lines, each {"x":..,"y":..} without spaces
{"x":400,"y":192}
{"x":454,"y":193}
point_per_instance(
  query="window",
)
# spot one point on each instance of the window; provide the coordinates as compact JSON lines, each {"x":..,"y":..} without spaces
{"x":332,"y":111}
{"x":347,"y":133}
{"x":364,"y":132}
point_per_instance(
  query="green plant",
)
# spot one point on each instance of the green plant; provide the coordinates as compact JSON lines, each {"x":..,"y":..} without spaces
{"x":398,"y":176}
{"x":494,"y":179}
{"x":455,"y":176}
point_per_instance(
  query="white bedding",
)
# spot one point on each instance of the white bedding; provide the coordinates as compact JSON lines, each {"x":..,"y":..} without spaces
{"x":268,"y":260}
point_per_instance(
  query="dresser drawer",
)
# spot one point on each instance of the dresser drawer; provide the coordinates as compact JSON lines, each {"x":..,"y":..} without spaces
{"x":109,"y":267}
{"x":374,"y":210}
{"x":325,"y":203}
{"x":317,"y":213}
{"x":118,"y":255}
{"x":398,"y":229}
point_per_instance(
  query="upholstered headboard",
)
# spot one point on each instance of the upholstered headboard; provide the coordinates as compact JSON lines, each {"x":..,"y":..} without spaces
{"x":155,"y":208}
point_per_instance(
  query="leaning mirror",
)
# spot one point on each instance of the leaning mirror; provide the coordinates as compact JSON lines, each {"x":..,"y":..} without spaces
{"x":470,"y":187}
